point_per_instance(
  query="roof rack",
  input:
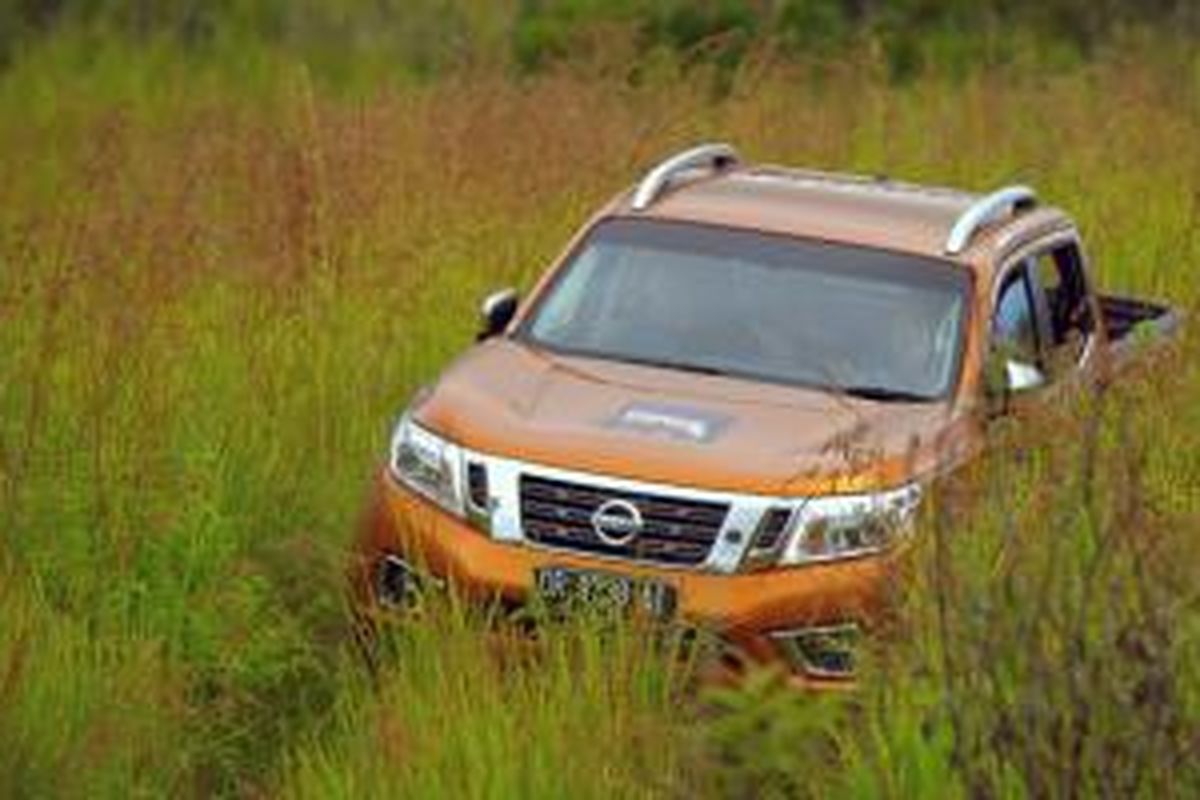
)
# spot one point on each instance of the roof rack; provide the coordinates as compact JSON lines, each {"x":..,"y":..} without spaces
{"x":988,"y":209}
{"x":713,"y":156}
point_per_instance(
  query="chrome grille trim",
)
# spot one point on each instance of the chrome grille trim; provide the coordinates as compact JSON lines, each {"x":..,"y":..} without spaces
{"x":744,"y":515}
{"x":674,"y":531}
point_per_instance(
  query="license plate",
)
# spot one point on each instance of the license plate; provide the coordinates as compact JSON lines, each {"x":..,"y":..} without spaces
{"x":567,"y":587}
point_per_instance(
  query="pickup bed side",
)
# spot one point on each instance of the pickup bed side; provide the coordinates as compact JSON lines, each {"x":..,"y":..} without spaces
{"x":1131,"y":324}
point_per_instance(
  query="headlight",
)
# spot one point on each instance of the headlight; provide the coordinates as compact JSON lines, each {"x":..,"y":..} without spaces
{"x":844,"y":526}
{"x":428,"y":464}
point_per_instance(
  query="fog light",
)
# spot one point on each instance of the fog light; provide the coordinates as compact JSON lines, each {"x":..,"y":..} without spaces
{"x":396,"y":583}
{"x":821,"y":652}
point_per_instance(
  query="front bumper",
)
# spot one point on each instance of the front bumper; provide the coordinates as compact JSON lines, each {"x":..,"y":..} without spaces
{"x":750,"y":611}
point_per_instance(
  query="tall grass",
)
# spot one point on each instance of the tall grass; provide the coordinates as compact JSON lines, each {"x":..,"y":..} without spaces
{"x":472,"y":707}
{"x":219,"y":284}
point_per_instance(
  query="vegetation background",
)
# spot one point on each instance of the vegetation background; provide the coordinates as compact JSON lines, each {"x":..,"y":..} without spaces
{"x":235,"y":236}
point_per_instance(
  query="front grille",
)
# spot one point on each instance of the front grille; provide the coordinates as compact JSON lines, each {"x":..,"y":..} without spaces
{"x":675,"y":531}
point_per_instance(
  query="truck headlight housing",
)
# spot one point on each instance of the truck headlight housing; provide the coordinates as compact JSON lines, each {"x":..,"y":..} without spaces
{"x":428,"y":464}
{"x":846,"y":526}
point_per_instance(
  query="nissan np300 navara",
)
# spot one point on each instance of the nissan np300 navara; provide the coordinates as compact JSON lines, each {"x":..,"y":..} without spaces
{"x":663,"y":421}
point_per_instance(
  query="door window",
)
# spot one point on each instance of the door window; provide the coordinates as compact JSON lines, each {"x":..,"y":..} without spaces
{"x":1069,"y":321}
{"x":1014,"y":327}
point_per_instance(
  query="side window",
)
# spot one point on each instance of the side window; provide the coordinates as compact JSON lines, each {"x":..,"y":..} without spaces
{"x":1014,"y":325}
{"x":1069,"y":320}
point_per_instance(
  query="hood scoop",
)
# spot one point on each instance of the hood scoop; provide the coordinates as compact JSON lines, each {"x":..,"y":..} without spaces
{"x":670,"y":421}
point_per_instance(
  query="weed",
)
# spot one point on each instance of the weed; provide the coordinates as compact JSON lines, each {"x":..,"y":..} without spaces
{"x":219,"y":283}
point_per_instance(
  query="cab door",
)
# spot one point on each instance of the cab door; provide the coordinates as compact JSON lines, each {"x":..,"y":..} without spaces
{"x":1044,"y":322}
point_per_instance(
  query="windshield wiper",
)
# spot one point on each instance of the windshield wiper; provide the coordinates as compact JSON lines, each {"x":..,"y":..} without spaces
{"x":884,"y":394}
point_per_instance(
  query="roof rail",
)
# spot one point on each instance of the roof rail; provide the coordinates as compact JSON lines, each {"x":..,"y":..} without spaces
{"x":987,"y":209}
{"x":714,"y":156}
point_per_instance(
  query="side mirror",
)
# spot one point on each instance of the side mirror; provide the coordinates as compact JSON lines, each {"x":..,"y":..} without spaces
{"x":1005,"y":377}
{"x":495,"y":312}
{"x":1022,"y":377}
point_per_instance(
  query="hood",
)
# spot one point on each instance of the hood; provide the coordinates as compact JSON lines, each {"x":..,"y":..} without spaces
{"x":675,"y":427}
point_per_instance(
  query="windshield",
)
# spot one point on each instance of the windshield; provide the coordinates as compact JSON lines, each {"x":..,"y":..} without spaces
{"x":774,"y":308}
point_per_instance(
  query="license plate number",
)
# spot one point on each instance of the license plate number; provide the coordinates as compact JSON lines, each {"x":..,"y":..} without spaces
{"x":567,"y":587}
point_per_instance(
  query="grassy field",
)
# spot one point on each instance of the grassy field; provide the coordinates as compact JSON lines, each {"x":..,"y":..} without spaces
{"x":220,"y":282}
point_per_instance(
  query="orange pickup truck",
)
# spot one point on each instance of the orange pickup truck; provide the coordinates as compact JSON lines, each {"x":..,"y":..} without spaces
{"x":724,"y":401}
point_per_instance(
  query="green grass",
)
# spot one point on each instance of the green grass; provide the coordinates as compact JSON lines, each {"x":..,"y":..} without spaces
{"x":219,"y":284}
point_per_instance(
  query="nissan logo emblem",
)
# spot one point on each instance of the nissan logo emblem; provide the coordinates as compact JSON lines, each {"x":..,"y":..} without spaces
{"x":616,"y":522}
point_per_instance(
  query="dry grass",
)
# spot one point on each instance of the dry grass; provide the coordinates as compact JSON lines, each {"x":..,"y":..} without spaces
{"x":217,"y":289}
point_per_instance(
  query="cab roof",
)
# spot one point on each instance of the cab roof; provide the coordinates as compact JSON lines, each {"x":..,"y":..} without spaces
{"x":853,"y":209}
